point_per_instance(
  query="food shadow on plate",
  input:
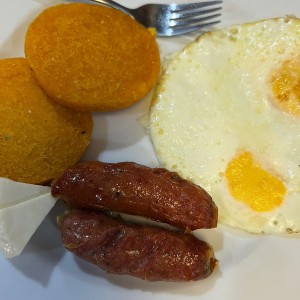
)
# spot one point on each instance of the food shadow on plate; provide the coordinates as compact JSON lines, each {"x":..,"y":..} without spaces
{"x":14,"y":45}
{"x":44,"y":250}
{"x":196,"y":288}
{"x":118,"y":130}
{"x":238,"y":246}
{"x":98,"y":140}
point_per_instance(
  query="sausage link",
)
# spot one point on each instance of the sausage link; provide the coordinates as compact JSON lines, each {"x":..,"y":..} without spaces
{"x":127,"y":187}
{"x":149,"y":253}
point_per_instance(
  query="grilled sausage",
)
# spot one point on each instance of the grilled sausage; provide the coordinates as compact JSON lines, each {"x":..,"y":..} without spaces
{"x":149,"y":253}
{"x":154,"y":193}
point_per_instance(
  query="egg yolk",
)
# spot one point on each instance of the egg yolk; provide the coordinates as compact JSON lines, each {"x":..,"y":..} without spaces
{"x":286,"y":86}
{"x":249,"y":183}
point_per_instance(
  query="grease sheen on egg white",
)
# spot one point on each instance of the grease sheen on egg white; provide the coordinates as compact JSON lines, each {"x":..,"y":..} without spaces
{"x":216,"y":99}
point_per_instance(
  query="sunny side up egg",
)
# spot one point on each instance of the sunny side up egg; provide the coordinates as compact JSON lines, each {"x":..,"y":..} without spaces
{"x":226,"y":115}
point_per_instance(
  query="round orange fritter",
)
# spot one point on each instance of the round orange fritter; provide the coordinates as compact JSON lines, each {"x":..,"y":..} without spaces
{"x":39,"y":138}
{"x":90,"y":57}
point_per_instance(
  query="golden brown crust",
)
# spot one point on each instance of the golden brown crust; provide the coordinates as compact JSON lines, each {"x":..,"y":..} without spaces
{"x":90,"y":57}
{"x":39,"y":138}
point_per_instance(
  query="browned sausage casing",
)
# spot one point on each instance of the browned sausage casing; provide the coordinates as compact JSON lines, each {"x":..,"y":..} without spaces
{"x":146,"y":252}
{"x":127,"y":187}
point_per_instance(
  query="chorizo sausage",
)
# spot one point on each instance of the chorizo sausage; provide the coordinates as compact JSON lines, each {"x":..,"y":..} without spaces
{"x":130,"y":188}
{"x":146,"y":252}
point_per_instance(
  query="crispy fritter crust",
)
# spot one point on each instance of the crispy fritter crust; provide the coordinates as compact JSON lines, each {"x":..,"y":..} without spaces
{"x":90,"y":57}
{"x":39,"y":138}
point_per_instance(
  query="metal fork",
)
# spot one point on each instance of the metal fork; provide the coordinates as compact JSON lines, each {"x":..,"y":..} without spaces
{"x":172,"y":19}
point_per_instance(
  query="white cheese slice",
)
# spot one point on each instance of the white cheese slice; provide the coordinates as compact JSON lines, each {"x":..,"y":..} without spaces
{"x":23,"y":207}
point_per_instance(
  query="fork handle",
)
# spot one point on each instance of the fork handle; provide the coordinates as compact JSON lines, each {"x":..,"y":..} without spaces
{"x":115,"y":5}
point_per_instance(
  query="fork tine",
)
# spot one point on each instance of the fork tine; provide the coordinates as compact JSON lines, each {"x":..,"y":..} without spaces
{"x":190,"y":21}
{"x":172,"y":31}
{"x":194,"y":13}
{"x":196,"y":5}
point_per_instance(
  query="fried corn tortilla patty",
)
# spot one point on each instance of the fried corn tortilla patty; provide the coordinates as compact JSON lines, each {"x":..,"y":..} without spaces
{"x":90,"y":57}
{"x":39,"y":138}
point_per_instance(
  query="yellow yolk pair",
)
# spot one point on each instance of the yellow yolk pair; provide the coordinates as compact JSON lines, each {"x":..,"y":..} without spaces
{"x":248,"y":182}
{"x":225,"y":115}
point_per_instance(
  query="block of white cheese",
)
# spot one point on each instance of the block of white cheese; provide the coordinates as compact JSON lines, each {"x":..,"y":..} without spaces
{"x":23,"y":207}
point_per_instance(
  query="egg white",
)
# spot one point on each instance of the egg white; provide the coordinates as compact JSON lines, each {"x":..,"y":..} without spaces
{"x":215,"y":99}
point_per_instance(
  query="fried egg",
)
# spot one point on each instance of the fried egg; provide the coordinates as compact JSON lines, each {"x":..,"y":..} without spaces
{"x":226,"y":115}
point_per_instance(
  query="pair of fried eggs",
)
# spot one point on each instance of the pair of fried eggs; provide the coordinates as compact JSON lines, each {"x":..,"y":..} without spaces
{"x":226,"y":115}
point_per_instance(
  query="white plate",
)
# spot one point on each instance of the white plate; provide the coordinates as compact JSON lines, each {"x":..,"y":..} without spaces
{"x":251,"y":267}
